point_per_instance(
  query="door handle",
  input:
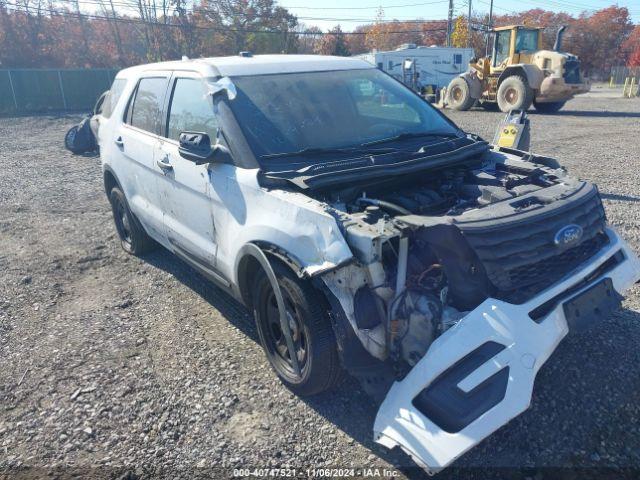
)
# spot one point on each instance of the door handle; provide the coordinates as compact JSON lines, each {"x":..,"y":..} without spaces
{"x":118,"y":141}
{"x":164,"y":164}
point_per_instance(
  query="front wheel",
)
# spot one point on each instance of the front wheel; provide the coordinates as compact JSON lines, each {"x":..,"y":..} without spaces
{"x":514,"y":93}
{"x":459,"y":95}
{"x":314,"y":342}
{"x":548,"y":107}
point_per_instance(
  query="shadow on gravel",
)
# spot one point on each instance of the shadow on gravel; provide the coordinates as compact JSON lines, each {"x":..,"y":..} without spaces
{"x":573,"y":411}
{"x":591,"y":113}
{"x":231,"y":309}
{"x":621,"y":198}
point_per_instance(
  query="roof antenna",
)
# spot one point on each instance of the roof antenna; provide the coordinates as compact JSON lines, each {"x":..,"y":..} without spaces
{"x":245,"y":54}
{"x":184,"y":58}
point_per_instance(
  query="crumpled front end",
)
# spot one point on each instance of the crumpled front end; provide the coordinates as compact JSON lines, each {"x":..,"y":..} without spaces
{"x":479,"y":374}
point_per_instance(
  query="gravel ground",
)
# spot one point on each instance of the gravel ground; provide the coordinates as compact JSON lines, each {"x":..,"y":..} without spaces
{"x":139,"y":367}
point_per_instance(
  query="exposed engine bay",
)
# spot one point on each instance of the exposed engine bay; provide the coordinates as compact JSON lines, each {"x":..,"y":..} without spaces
{"x":433,"y":246}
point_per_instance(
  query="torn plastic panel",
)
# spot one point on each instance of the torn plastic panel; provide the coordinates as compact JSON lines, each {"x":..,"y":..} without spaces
{"x":479,"y":374}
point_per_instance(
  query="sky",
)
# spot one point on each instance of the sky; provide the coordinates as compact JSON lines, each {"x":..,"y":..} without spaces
{"x":351,"y":13}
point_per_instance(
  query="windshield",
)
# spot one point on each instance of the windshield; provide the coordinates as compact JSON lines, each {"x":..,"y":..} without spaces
{"x":288,"y":113}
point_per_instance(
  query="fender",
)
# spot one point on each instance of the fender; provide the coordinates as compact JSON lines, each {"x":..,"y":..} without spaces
{"x":475,"y":85}
{"x":532,"y":73}
{"x":285,"y":257}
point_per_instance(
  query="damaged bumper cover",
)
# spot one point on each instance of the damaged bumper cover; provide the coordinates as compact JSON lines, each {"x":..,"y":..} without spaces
{"x":479,"y":374}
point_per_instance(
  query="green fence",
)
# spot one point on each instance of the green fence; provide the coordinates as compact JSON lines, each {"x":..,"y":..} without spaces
{"x":35,"y":90}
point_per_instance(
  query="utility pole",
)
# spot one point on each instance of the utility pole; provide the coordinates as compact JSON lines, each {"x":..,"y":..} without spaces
{"x":489,"y":28}
{"x":450,"y":23}
{"x":469,"y":25}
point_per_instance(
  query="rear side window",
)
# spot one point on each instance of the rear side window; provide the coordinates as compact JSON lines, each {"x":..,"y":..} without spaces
{"x":191,"y":109}
{"x":111,"y":100}
{"x":144,"y":111}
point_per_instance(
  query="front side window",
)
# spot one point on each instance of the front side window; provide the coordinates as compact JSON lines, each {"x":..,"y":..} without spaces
{"x":191,"y":109}
{"x":144,"y":112}
{"x":527,"y":40}
{"x":286,"y":113}
{"x":503,"y":45}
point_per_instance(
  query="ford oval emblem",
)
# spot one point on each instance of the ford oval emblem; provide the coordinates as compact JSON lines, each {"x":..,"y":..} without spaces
{"x":568,"y":235}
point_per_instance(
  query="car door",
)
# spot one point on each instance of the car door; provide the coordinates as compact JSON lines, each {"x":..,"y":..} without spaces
{"x":185,"y":186}
{"x":137,"y":140}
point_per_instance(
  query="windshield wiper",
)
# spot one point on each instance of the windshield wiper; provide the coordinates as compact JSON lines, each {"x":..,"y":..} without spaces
{"x":406,"y":135}
{"x":323,"y":151}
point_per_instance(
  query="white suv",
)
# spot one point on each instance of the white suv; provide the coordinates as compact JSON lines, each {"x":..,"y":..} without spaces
{"x":366,"y":232}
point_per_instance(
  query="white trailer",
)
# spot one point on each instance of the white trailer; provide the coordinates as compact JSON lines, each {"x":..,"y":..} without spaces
{"x":435,"y":66}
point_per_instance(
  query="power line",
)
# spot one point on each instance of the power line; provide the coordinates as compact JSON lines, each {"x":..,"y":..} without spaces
{"x":370,"y":7}
{"x":247,"y":15}
{"x":139,"y":21}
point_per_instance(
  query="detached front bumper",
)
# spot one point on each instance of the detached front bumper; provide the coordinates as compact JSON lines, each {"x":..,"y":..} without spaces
{"x":479,"y":374}
{"x":554,"y":88}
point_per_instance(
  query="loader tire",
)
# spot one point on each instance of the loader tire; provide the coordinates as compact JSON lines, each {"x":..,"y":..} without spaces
{"x":514,"y":93}
{"x":459,"y":95}
{"x":548,"y":107}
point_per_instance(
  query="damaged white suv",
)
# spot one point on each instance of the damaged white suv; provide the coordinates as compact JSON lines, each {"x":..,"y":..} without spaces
{"x":366,"y":232}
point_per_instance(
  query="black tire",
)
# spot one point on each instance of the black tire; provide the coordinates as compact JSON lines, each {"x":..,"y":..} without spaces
{"x":514,"y":93}
{"x":133,"y":238}
{"x":459,"y":95}
{"x":69,"y":140}
{"x":313,"y":336}
{"x":548,"y":107}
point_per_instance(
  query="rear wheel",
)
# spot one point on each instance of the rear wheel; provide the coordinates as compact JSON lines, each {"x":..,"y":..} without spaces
{"x":133,"y":238}
{"x":313,"y":338}
{"x":548,"y":107}
{"x":459,"y":95}
{"x":514,"y":93}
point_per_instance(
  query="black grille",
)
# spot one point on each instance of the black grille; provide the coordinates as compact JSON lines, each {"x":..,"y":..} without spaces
{"x":572,"y":71}
{"x":521,"y":260}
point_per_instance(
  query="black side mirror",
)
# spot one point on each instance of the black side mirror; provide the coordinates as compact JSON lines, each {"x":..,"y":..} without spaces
{"x":196,"y":147}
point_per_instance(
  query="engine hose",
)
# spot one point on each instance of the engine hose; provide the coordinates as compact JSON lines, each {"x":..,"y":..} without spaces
{"x":384,"y":205}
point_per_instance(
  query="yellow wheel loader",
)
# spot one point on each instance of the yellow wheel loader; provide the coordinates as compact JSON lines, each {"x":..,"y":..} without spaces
{"x":519,"y":73}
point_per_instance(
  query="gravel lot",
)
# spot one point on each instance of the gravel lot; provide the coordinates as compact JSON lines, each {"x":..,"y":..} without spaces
{"x":141,"y":368}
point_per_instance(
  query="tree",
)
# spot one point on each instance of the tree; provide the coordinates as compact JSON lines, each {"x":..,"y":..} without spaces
{"x":632,"y":44}
{"x":333,"y":43}
{"x":238,"y":19}
{"x":308,"y":38}
{"x":460,"y":35}
{"x":358,"y":43}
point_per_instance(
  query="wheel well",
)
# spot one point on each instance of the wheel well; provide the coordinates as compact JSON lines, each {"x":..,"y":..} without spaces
{"x":510,"y":72}
{"x":110,"y":181}
{"x":249,"y":266}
